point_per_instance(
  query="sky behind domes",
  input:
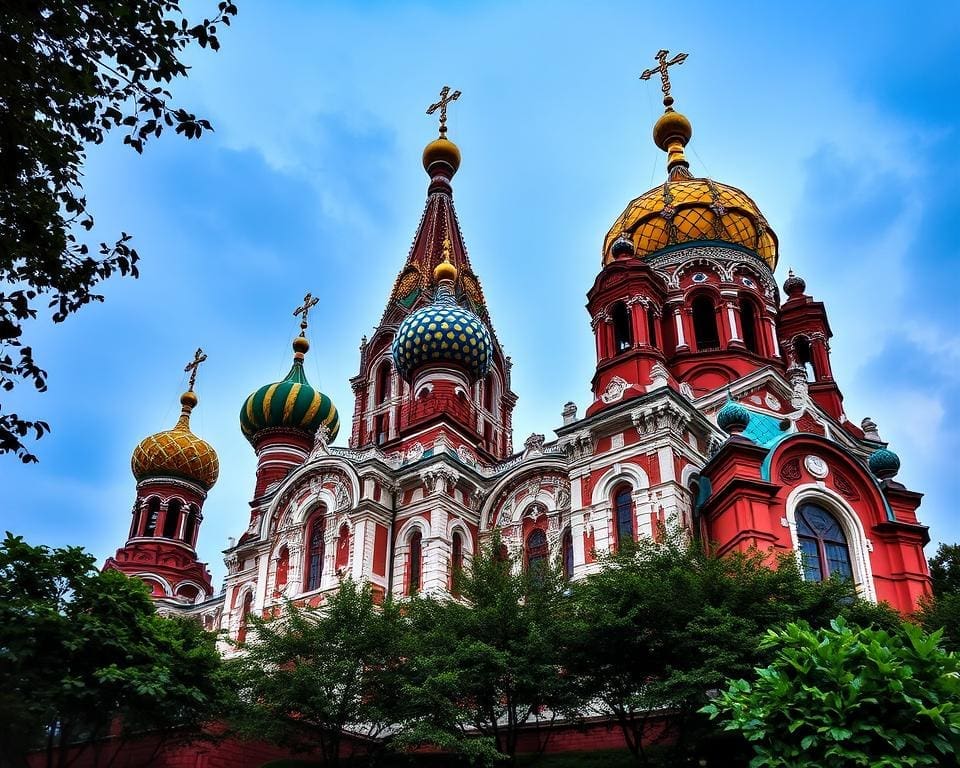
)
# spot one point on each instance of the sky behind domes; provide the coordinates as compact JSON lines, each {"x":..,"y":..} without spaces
{"x":839,"y":120}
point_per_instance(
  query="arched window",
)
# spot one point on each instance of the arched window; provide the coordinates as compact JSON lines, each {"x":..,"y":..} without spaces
{"x":566,"y":546}
{"x":343,"y":548}
{"x":246,"y":609}
{"x":456,"y":561}
{"x":488,"y":393}
{"x":748,"y":323}
{"x":705,"y":324}
{"x":415,"y":579}
{"x":172,"y":521}
{"x":801,"y":351}
{"x":314,"y":569}
{"x":383,"y":382}
{"x":823,"y":544}
{"x":153,"y":512}
{"x":536,"y":552}
{"x":283,"y":568}
{"x":190,"y":529}
{"x":623,"y":514}
{"x":622,"y":332}
{"x":652,"y":326}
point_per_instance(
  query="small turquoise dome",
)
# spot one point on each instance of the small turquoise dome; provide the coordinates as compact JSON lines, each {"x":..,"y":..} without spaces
{"x":733,"y":417}
{"x":443,"y":332}
{"x":884,"y":463}
{"x":290,"y":403}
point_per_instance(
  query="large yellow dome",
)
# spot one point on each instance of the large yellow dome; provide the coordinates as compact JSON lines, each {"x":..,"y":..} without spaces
{"x":684,"y":209}
{"x":177,"y":452}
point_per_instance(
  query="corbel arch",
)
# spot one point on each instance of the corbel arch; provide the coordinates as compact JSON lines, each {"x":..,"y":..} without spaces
{"x":626,"y":472}
{"x":542,"y":465}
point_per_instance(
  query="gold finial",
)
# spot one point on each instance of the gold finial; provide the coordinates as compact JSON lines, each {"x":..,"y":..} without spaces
{"x":198,"y":357}
{"x":445,"y":98}
{"x":445,"y":270}
{"x":309,"y":301}
{"x":664,"y":74}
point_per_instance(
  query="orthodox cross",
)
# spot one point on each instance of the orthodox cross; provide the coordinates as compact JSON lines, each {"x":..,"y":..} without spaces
{"x":309,"y":301}
{"x":198,"y":357}
{"x":445,"y":98}
{"x":664,"y":74}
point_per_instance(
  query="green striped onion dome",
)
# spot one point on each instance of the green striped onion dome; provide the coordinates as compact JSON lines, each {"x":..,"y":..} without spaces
{"x":291,"y":403}
{"x":884,"y":463}
{"x":443,"y":332}
{"x":733,"y":417}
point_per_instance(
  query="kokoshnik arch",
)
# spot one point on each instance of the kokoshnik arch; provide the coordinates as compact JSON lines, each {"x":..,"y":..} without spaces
{"x":714,"y":408}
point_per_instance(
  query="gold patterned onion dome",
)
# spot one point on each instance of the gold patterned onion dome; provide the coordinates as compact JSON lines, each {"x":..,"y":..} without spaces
{"x":290,"y":403}
{"x":177,"y":452}
{"x":684,"y":210}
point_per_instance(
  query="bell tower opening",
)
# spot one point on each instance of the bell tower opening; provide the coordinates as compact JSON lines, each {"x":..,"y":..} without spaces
{"x":622,"y":332}
{"x":705,"y":324}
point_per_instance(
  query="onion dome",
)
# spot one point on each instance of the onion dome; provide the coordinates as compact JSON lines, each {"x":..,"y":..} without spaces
{"x":622,"y":246}
{"x":177,"y":452}
{"x":733,"y":418}
{"x":794,"y":286}
{"x":290,"y":403}
{"x":443,"y":332}
{"x":884,"y":463}
{"x":686,"y":208}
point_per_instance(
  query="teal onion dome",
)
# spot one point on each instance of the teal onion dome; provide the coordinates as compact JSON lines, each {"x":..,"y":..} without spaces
{"x":733,"y":417}
{"x":443,"y":332}
{"x":290,"y":403}
{"x":884,"y":463}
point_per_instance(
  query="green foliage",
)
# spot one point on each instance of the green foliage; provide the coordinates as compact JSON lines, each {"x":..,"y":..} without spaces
{"x":310,"y":675}
{"x":845,"y":696}
{"x":662,"y":624}
{"x":488,"y":662}
{"x":942,"y":611}
{"x":80,"y":649}
{"x":945,"y":570}
{"x":73,"y":70}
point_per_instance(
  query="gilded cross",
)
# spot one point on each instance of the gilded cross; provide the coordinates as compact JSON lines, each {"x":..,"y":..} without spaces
{"x":664,"y":74}
{"x":445,"y":98}
{"x":198,"y":357}
{"x":309,"y":301}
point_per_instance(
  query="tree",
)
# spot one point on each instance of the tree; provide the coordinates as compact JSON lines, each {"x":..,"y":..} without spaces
{"x":844,"y":696}
{"x":83,"y":653}
{"x":72,"y":71}
{"x":943,"y":609}
{"x":486,"y":665}
{"x":662,"y":624}
{"x":321,"y":678}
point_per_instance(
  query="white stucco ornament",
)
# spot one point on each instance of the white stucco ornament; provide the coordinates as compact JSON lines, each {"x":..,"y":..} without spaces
{"x":816,"y":466}
{"x":614,"y":391}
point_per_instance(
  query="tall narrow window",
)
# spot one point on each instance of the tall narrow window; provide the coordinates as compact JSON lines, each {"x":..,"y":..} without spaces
{"x":536,"y":552}
{"x":803,"y":355}
{"x":748,"y":323}
{"x":823,"y":544}
{"x":172,"y":521}
{"x":343,"y":547}
{"x":153,"y":512}
{"x":623,"y":513}
{"x":380,"y":425}
{"x":314,"y":553}
{"x":245,"y":612}
{"x":705,"y":324}
{"x":283,"y":568}
{"x":456,"y":562}
{"x":414,"y":582}
{"x":488,"y":393}
{"x":383,"y":382}
{"x":566,"y":545}
{"x":652,"y":327}
{"x":622,"y":332}
{"x":190,"y":529}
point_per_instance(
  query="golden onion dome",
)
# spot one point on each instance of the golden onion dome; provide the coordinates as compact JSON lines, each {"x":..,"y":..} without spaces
{"x":686,"y":209}
{"x":177,"y":452}
{"x":441,"y":150}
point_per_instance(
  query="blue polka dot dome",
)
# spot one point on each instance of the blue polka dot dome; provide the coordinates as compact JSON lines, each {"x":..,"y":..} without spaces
{"x":443,"y":332}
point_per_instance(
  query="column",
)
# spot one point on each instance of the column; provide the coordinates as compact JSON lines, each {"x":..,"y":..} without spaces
{"x":638,"y":321}
{"x":682,"y":345}
{"x":772,"y":333}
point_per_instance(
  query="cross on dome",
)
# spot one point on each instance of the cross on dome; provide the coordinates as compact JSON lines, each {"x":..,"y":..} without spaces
{"x":662,"y":68}
{"x":445,"y":98}
{"x":198,"y":357}
{"x":309,"y":301}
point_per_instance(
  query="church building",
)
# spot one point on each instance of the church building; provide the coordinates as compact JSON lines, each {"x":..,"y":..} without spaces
{"x":714,"y":408}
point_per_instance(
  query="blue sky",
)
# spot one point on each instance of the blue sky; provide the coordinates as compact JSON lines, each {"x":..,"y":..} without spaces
{"x":840,"y":120}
